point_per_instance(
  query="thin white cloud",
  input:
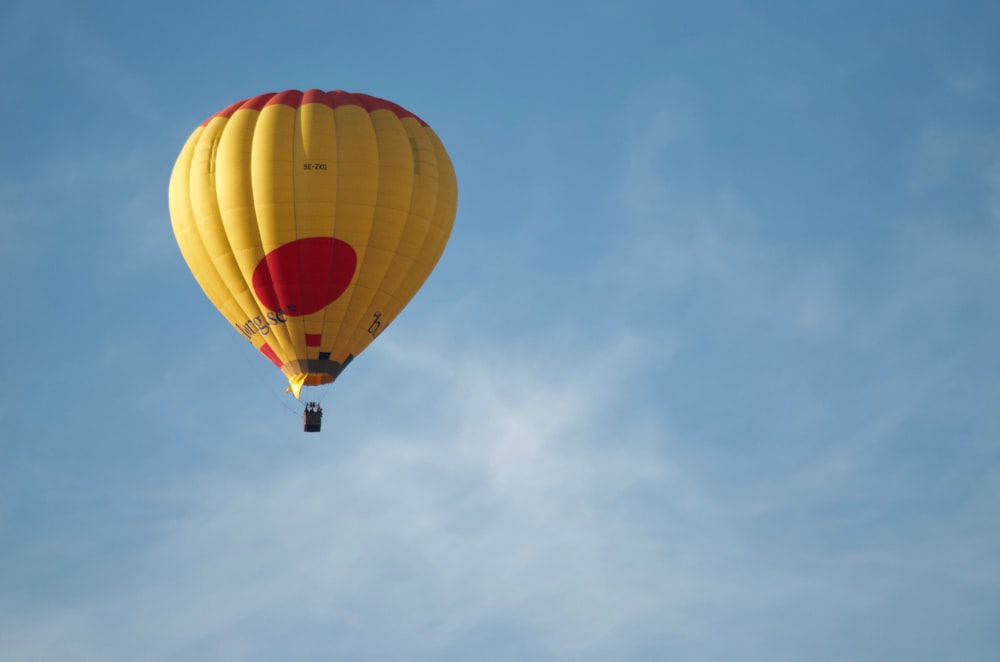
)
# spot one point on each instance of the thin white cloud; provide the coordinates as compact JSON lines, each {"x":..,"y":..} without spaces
{"x":499,"y":518}
{"x":537,"y":498}
{"x":704,"y":235}
{"x":709,"y":240}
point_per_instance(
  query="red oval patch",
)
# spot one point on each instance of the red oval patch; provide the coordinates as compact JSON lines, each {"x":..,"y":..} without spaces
{"x":305,"y":276}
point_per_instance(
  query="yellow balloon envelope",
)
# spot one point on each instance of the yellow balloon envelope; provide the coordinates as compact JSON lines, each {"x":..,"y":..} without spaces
{"x":310,"y":219}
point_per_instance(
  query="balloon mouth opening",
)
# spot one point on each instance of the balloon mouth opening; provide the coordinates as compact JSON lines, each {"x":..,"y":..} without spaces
{"x":296,"y":382}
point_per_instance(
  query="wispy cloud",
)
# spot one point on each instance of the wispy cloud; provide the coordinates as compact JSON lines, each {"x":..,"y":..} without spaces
{"x":532,"y":495}
{"x":495,"y":519}
{"x":708,"y":238}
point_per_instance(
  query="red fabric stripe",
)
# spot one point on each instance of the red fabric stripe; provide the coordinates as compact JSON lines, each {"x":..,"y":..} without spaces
{"x":313,"y":339}
{"x":291,"y":98}
{"x":269,"y":353}
{"x":333,"y":99}
{"x":253,"y":103}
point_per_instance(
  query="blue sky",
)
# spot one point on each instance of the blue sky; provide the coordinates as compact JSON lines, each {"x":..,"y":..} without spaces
{"x":708,"y":371}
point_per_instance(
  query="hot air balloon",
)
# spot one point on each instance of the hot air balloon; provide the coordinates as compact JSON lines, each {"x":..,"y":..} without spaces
{"x":310,"y":219}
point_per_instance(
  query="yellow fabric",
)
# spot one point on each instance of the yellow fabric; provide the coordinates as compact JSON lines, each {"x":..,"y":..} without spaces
{"x":268,"y":176}
{"x":295,"y":384}
{"x":297,"y":381}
